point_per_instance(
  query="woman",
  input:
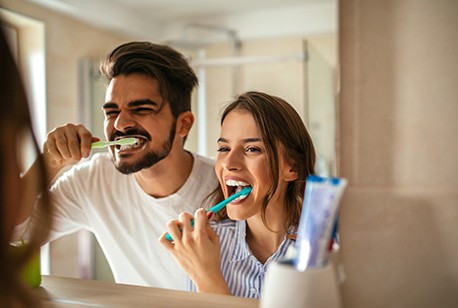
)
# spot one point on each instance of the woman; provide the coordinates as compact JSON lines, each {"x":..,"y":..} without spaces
{"x":15,"y":125}
{"x":264,"y":144}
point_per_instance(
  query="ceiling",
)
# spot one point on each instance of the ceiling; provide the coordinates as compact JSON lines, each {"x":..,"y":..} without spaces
{"x":169,"y":19}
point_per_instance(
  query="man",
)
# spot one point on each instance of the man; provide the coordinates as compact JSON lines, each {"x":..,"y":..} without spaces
{"x":127,"y":207}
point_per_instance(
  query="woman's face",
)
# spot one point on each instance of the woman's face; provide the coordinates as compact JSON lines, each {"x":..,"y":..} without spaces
{"x":242,"y":161}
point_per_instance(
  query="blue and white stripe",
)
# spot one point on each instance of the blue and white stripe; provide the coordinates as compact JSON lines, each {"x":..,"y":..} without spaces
{"x":244,"y":274}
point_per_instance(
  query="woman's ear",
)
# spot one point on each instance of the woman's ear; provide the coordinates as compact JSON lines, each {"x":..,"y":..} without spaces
{"x":184,"y":123}
{"x":289,"y":172}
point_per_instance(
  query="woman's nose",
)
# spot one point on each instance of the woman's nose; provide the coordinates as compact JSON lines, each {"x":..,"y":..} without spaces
{"x":124,"y":121}
{"x":232,"y":161}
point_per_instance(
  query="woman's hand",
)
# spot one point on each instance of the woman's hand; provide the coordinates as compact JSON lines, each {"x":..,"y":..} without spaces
{"x":197,"y":250}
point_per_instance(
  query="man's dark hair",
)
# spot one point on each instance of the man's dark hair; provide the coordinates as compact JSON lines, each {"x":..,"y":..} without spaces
{"x":169,"y":67}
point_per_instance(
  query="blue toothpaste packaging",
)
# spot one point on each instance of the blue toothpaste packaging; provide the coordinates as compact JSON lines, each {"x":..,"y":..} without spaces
{"x":318,"y":218}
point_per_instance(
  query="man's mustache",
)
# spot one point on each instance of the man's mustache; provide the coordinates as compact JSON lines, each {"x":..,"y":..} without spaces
{"x":130,"y":133}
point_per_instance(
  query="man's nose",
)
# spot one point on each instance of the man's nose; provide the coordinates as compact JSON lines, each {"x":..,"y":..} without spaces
{"x":124,"y":121}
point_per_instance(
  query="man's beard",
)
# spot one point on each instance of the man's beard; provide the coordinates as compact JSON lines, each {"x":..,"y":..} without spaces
{"x":150,"y":158}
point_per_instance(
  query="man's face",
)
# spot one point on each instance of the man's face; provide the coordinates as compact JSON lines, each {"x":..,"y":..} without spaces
{"x":134,"y":108}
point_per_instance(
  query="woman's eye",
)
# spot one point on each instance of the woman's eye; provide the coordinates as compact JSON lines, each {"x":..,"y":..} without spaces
{"x":253,"y":150}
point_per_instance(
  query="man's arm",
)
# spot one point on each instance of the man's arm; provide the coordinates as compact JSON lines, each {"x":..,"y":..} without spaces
{"x":64,"y":146}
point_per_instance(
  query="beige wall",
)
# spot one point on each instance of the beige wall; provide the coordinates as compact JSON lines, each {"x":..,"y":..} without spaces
{"x":284,"y":74}
{"x":66,"y":42}
{"x":282,"y":78}
{"x":398,"y":148}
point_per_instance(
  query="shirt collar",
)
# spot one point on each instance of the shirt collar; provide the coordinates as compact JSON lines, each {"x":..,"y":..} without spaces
{"x":241,"y":250}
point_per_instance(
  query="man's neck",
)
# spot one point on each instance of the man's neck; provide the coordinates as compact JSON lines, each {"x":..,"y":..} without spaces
{"x":167,"y":176}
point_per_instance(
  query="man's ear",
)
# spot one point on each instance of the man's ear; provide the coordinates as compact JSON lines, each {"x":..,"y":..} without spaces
{"x":184,"y":123}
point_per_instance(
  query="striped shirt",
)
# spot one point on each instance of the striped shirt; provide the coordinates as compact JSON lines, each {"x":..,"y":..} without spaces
{"x":243,"y":273}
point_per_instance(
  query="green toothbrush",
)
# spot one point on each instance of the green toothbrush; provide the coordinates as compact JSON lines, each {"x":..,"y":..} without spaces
{"x":123,"y":141}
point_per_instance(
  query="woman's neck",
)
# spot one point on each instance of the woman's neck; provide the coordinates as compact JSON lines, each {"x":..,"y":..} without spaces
{"x":263,"y":242}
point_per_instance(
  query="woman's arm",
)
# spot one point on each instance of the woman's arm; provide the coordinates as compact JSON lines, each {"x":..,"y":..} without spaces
{"x":197,"y":250}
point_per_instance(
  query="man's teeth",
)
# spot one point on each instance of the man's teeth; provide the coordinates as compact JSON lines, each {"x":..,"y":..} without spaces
{"x":137,"y":144}
{"x":128,"y":146}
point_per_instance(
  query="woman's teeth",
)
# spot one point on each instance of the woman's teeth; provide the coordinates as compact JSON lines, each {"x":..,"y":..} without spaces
{"x":240,"y":198}
{"x":238,"y":185}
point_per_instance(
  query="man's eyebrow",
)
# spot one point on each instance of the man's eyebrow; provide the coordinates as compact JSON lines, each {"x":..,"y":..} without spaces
{"x":247,"y":140}
{"x":142,"y":102}
{"x":136,"y":103}
{"x":109,"y":105}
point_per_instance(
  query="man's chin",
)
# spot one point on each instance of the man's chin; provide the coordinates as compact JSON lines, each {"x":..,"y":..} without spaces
{"x":127,"y":169}
{"x":131,"y":167}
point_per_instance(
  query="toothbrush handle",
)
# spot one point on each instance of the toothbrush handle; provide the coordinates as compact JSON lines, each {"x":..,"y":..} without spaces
{"x":99,"y":144}
{"x":225,"y":202}
{"x":219,"y":206}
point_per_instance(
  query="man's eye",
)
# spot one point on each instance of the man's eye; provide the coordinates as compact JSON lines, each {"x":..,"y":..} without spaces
{"x":143,"y":110}
{"x":223,"y":149}
{"x":111,"y":113}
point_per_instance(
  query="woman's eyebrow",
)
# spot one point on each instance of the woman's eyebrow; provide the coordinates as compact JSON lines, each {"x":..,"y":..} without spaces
{"x":246,"y":140}
{"x":255,"y":139}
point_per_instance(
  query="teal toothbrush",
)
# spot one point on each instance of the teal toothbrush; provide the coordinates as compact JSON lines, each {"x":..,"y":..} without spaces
{"x":124,"y":141}
{"x":221,"y":205}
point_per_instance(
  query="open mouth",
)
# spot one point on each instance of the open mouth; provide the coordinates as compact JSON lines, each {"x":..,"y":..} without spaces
{"x":139,"y":144}
{"x":234,"y":187}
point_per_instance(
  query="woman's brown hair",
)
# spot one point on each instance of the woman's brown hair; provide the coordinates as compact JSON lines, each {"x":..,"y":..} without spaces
{"x":15,"y":125}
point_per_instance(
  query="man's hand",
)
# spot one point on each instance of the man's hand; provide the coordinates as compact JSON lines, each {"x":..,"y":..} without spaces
{"x":66,"y":145}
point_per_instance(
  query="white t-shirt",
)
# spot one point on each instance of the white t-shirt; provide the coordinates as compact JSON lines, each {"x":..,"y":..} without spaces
{"x":125,"y":220}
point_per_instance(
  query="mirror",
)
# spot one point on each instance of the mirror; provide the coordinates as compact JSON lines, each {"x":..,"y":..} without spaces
{"x":301,"y":70}
{"x":286,"y":48}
